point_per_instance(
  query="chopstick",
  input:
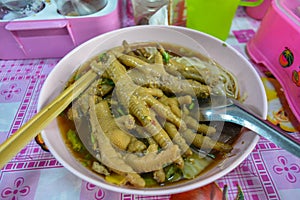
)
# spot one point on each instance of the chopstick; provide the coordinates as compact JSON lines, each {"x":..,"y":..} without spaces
{"x":19,"y":139}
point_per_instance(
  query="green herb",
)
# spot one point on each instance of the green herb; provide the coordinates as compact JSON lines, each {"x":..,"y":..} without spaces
{"x":166,"y":57}
{"x":173,"y":173}
{"x":102,"y":57}
{"x":120,"y":111}
{"x":88,"y":157}
{"x":84,"y":163}
{"x":76,"y":77}
{"x":192,"y":105}
{"x":75,"y":141}
{"x":149,"y":180}
{"x":107,"y":81}
{"x":240,"y":195}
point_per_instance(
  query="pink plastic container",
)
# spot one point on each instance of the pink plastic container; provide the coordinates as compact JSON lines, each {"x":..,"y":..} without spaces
{"x":48,"y":34}
{"x":258,"y":12}
{"x":276,"y":45}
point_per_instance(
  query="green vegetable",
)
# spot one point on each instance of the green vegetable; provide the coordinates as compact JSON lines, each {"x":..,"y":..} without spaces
{"x":149,"y":180}
{"x":88,"y":157}
{"x":115,"y":179}
{"x":166,"y":57}
{"x":75,"y":141}
{"x":240,"y":195}
{"x":192,"y":105}
{"x":193,"y":165}
{"x":107,"y":81}
{"x":77,"y":76}
{"x":120,"y":111}
{"x":102,"y":57}
{"x":173,"y":173}
{"x":87,"y":160}
{"x":86,"y":163}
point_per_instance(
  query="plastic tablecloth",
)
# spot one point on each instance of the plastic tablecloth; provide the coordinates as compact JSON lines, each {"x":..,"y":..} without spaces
{"x":269,"y":172}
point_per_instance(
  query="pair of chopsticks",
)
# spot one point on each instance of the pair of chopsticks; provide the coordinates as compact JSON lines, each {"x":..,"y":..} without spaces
{"x":10,"y":147}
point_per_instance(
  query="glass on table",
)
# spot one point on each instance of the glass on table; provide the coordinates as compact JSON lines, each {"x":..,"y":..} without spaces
{"x":144,"y":9}
{"x":79,"y":7}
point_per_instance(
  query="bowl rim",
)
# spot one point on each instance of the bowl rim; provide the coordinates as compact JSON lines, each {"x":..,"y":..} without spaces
{"x":151,"y":191}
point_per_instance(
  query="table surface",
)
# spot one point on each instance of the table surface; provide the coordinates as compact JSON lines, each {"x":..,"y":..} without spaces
{"x":269,"y":172}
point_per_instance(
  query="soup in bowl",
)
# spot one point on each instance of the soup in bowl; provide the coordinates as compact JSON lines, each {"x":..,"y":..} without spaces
{"x":142,"y":114}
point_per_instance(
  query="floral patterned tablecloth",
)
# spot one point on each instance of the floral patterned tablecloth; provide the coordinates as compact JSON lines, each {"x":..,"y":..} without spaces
{"x":267,"y":173}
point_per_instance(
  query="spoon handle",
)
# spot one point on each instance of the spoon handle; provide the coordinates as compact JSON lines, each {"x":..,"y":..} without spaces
{"x":242,"y":116}
{"x":30,"y":129}
{"x":239,"y":114}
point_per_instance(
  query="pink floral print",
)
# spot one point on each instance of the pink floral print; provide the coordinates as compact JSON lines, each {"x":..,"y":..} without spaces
{"x":18,"y":190}
{"x":286,"y":169}
{"x":10,"y":91}
{"x":99,"y":193}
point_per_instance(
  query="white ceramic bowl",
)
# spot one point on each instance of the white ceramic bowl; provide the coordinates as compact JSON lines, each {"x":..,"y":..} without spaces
{"x":224,"y":54}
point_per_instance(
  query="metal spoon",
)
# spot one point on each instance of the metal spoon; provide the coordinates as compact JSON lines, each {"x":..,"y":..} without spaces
{"x":230,"y":110}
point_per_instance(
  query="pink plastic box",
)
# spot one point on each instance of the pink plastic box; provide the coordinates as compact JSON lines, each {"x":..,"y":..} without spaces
{"x":276,"y":45}
{"x":258,"y":12}
{"x":48,"y":34}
